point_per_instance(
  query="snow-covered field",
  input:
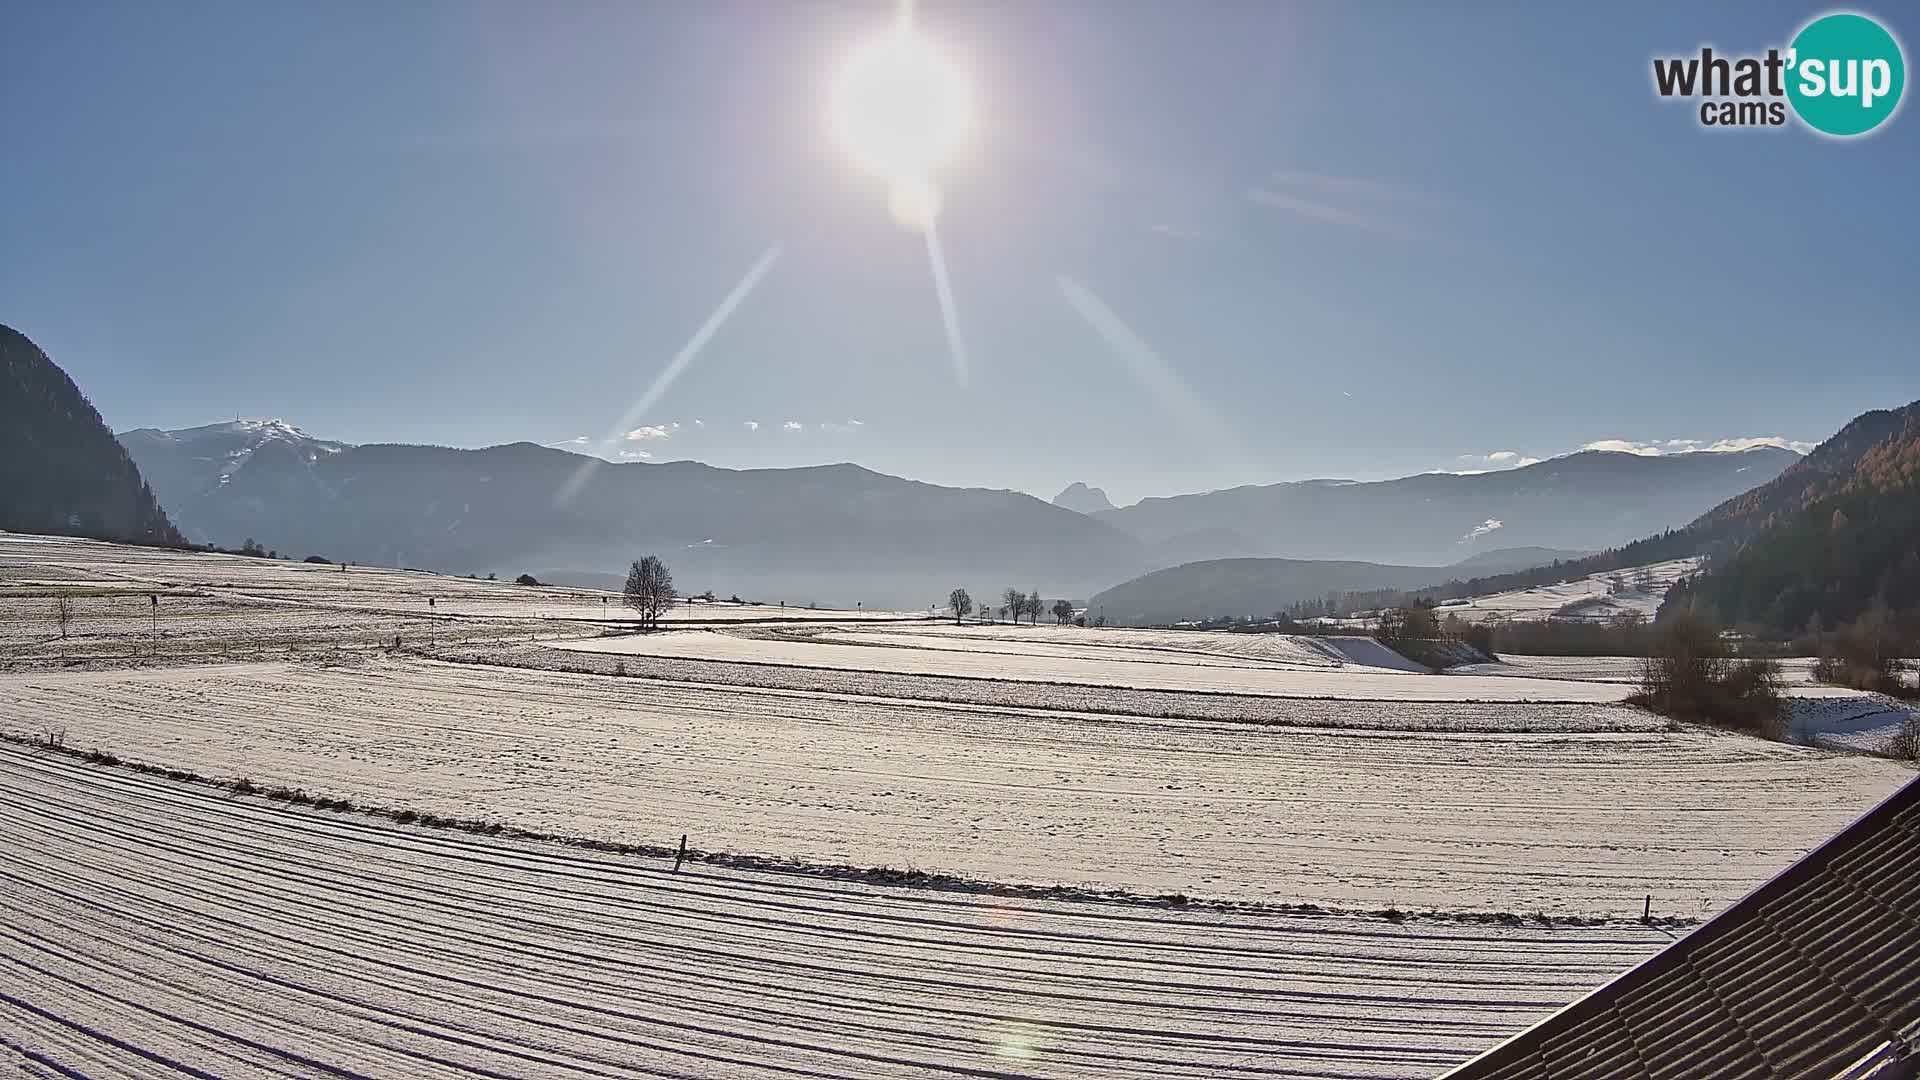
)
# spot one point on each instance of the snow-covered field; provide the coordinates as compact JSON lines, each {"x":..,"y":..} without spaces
{"x":1440,"y":716}
{"x":1795,"y":670}
{"x":1143,"y":646}
{"x":33,"y":568}
{"x":1083,"y":659}
{"x":1847,"y":720}
{"x":152,"y":928}
{"x":1595,"y":592}
{"x":1829,"y":716}
{"x":1563,"y":822}
{"x":149,"y":926}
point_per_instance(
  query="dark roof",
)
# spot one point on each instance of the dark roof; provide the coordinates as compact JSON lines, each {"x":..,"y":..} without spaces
{"x":1811,"y":973}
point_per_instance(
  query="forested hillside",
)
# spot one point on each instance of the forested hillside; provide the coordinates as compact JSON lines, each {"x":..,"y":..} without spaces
{"x":1834,"y":558}
{"x":1861,"y":447}
{"x":61,"y":470}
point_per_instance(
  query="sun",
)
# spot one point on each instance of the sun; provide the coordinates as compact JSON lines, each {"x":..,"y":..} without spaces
{"x":901,"y":110}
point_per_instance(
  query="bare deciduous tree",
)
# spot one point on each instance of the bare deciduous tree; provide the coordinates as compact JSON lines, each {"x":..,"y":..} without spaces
{"x":649,"y":590}
{"x":1062,"y":611}
{"x":63,"y":612}
{"x":1014,"y":603}
{"x":960,"y":604}
{"x":1034,"y":605}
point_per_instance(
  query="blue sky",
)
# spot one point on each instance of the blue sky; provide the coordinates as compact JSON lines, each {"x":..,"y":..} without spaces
{"x":1354,"y":239}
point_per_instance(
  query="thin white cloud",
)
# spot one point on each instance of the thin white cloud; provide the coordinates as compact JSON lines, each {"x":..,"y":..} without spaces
{"x":1473,"y":464}
{"x":1174,"y":232}
{"x":1318,"y":211}
{"x":1482,"y":529}
{"x":1655,"y":448}
{"x":699,"y":423}
{"x":844,"y":429}
{"x":636,"y":455}
{"x":577,"y":440}
{"x":752,"y":425}
{"x":793,"y":425}
{"x":1750,"y":442}
{"x":1161,"y":381}
{"x":1343,"y":185}
{"x":1664,"y":447}
{"x":1501,"y":460}
{"x":650,"y":433}
{"x":672,"y":371}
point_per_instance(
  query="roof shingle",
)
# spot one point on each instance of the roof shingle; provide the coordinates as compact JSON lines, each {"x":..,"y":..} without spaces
{"x":1803,"y":977}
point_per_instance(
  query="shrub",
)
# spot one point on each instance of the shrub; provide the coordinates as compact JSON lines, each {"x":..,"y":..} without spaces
{"x":1864,"y":655}
{"x":1480,"y":637}
{"x":1586,"y":605}
{"x":1752,"y":699}
{"x":321,"y":560}
{"x":1690,"y":676}
{"x":1905,"y":743}
{"x":526,"y":579}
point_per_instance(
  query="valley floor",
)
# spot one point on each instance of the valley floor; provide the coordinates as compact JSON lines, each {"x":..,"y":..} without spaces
{"x":1566,"y":822}
{"x":154,"y":928}
{"x":1185,"y":796}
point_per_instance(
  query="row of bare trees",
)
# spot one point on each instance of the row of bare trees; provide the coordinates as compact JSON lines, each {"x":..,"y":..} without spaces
{"x":1014,"y":604}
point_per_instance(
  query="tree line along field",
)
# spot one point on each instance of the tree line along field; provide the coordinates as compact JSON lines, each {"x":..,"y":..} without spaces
{"x":154,"y":928}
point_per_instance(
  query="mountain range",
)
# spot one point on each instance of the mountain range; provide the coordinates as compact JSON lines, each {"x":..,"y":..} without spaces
{"x":830,"y":534}
{"x":1588,"y":500}
{"x":1831,"y":534}
{"x":842,"y":534}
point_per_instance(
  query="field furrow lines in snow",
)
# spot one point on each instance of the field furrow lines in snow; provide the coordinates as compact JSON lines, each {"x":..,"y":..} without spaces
{"x":157,"y":928}
{"x":1563,"y":823}
{"x":1350,"y":682}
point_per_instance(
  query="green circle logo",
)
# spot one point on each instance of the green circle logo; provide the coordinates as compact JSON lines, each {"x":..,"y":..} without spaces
{"x":1845,"y":74}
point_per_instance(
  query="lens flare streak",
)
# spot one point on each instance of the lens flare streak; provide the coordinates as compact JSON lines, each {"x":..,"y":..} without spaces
{"x":672,"y":372}
{"x":937,"y":257}
{"x":1153,"y":373}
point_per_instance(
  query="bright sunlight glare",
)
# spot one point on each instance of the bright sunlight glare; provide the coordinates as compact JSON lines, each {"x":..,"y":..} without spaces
{"x":900,"y":109}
